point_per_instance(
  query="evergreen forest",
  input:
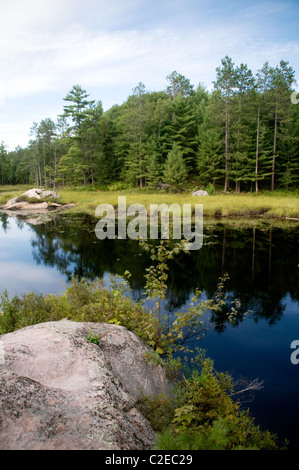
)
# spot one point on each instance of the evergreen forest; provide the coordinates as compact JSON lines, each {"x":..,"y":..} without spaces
{"x":242,"y":135}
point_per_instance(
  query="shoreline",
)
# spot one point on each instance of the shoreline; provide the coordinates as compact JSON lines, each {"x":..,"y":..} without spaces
{"x":247,"y":206}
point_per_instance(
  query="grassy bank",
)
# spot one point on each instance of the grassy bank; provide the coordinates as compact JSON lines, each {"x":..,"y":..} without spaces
{"x":8,"y":192}
{"x":226,"y":205}
{"x":264,"y":205}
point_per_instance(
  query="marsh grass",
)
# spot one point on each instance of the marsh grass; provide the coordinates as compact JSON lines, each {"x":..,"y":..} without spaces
{"x":8,"y":192}
{"x":265,"y":205}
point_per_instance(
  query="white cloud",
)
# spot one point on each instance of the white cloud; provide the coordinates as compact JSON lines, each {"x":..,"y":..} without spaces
{"x":2,"y":94}
{"x":48,"y":46}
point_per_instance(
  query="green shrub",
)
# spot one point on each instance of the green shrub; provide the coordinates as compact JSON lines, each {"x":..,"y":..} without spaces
{"x":159,"y":411}
{"x":210,"y":189}
{"x":82,"y":301}
{"x":31,"y":200}
{"x":119,"y":186}
{"x":93,"y":338}
{"x":213,"y":437}
{"x":206,"y":417}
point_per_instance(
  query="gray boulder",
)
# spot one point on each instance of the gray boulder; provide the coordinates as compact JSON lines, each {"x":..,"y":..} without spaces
{"x":34,"y":193}
{"x":200,"y":193}
{"x":59,"y":391}
{"x":38,"y":193}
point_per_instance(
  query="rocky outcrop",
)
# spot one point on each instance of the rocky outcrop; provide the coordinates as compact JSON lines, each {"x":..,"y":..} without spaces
{"x":59,"y":391}
{"x":28,"y":202}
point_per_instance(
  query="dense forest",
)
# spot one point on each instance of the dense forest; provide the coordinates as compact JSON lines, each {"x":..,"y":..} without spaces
{"x":241,"y":136}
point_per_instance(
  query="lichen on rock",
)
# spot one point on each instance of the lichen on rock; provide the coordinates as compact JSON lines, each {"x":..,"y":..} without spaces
{"x":60,"y":391}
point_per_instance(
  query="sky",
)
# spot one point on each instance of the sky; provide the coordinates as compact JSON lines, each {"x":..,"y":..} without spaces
{"x":109,"y":46}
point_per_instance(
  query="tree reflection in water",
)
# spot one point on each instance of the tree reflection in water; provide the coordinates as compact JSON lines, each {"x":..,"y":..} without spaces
{"x":261,"y":261}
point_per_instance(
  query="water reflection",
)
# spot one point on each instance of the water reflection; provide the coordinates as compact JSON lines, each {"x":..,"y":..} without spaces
{"x":262,"y":261}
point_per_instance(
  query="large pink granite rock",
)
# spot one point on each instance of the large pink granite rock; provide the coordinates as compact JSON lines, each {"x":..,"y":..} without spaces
{"x":60,"y":391}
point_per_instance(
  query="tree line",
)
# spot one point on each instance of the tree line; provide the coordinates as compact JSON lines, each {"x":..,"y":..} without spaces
{"x":241,"y":135}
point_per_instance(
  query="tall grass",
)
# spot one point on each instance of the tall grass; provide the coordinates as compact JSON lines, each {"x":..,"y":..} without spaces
{"x":225,"y":205}
{"x":264,"y":205}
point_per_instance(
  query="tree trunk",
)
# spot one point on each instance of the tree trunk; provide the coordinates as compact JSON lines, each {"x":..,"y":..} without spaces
{"x":44,"y":159}
{"x":84,"y":179}
{"x":226,"y":157}
{"x":274,"y":151}
{"x":39,"y":172}
{"x":91,"y":176}
{"x":45,"y":174}
{"x":91,"y":163}
{"x":226,"y":181}
{"x":238,"y":183}
{"x":36,"y":175}
{"x":55,"y":167}
{"x":257,"y":151}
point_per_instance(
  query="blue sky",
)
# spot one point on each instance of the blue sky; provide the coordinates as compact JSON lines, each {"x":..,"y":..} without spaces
{"x":109,"y":46}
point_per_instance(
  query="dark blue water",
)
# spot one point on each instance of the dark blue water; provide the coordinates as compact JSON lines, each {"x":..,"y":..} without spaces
{"x":262,"y":261}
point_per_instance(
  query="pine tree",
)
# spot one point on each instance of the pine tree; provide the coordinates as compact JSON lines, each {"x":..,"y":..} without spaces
{"x":92,"y":143}
{"x":134,"y":123}
{"x":175,"y":172}
{"x":3,"y":164}
{"x":225,"y":83}
{"x":178,"y":85}
{"x":80,"y":110}
{"x":277,"y":84}
{"x":45,"y":134}
{"x":242,"y":167}
{"x":209,"y":159}
{"x":72,"y":167}
{"x":153,"y":165}
{"x":114,"y":144}
{"x":183,"y":130}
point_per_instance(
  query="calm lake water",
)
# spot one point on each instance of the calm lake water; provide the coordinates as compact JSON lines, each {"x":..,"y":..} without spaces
{"x":261,"y":259}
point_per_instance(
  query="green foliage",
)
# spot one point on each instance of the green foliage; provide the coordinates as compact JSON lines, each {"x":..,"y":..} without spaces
{"x":212,"y":438}
{"x":187,"y":326}
{"x":9,"y":314}
{"x":182,"y":130}
{"x":30,"y":309}
{"x":82,"y":301}
{"x":210,"y":188}
{"x":209,"y":158}
{"x":175,"y":172}
{"x":158,"y":410}
{"x":119,"y":186}
{"x":93,"y":338}
{"x":153,"y":171}
{"x":206,"y":417}
{"x":80,"y":107}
